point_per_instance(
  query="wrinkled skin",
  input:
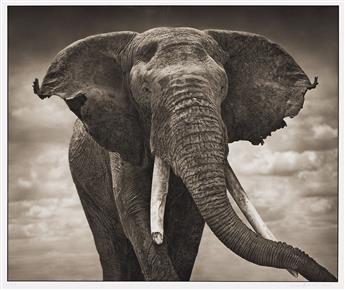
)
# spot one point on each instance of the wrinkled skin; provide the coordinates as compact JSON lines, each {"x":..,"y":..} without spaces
{"x":181,"y":95}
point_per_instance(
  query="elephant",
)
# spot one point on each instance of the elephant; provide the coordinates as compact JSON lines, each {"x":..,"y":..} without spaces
{"x":148,"y":155}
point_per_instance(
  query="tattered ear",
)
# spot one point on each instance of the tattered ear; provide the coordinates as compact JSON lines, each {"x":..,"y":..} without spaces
{"x":265,"y":85}
{"x":89,"y":77}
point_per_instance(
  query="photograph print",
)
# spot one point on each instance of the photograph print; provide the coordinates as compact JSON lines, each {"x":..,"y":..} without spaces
{"x":173,"y":143}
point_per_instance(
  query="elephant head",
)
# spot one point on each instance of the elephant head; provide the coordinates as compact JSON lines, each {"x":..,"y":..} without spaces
{"x":180,"y":95}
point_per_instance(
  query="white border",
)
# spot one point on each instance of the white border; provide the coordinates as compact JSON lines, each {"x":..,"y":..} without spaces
{"x":3,"y":144}
{"x":341,"y":198}
{"x":168,"y":285}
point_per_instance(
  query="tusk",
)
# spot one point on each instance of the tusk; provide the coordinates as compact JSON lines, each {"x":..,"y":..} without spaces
{"x":159,"y":191}
{"x":248,"y":209}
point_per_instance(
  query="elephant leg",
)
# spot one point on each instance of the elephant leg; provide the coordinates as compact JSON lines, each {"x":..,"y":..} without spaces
{"x":117,"y":258}
{"x":89,"y":164}
{"x":132,"y":198}
{"x":183,"y":228}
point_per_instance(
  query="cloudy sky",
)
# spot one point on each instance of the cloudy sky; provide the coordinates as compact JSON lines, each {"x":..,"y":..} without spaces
{"x":292,"y":179}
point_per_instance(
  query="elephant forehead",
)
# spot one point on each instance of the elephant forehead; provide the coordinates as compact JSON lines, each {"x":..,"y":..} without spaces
{"x":178,"y":42}
{"x":171,"y":33}
{"x":167,"y":36}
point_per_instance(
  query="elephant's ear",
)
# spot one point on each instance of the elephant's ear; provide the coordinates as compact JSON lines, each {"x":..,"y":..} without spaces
{"x":265,"y":85}
{"x":89,"y":77}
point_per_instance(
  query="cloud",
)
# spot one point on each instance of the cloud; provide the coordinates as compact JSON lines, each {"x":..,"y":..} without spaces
{"x":46,"y":214}
{"x":304,"y":134}
{"x":43,"y":212}
{"x":278,"y":183}
{"x":32,"y":119}
{"x":320,"y":206}
{"x":38,"y":171}
{"x":23,"y":183}
{"x":315,"y":212}
{"x":324,"y":132}
{"x":281,"y":163}
{"x":255,"y":160}
{"x":29,"y":230}
{"x":323,"y":181}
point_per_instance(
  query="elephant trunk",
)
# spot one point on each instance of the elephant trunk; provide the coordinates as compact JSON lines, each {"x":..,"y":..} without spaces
{"x":193,"y":141}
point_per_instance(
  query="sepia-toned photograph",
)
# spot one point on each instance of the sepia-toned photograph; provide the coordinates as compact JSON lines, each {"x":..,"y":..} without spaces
{"x":173,"y":143}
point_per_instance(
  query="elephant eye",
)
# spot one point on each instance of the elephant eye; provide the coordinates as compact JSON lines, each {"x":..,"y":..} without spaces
{"x":148,"y":51}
